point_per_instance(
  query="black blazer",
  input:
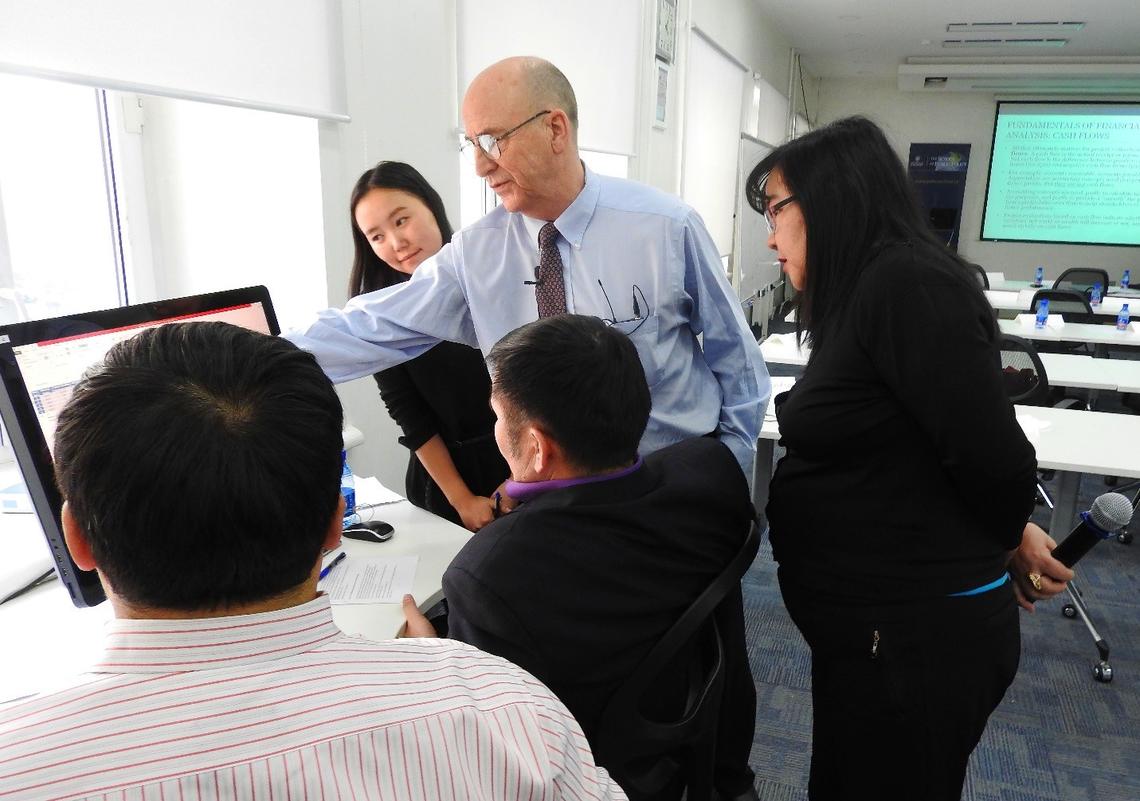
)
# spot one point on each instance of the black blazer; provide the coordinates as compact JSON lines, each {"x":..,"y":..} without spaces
{"x":578,"y":584}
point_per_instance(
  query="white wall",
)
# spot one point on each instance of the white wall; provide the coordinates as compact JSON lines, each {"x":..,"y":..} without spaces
{"x":960,"y":117}
{"x":234,"y":200}
{"x":400,"y":69}
{"x":739,"y":27}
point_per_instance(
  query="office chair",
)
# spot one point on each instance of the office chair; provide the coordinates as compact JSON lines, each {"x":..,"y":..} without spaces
{"x":980,"y":271}
{"x":1026,"y":383}
{"x":1069,"y":303}
{"x":649,"y":757}
{"x":1081,"y":279}
{"x":1073,"y":307}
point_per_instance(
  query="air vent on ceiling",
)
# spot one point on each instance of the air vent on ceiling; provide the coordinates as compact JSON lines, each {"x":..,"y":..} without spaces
{"x":1020,"y":28}
{"x":1035,"y":76}
{"x":960,"y":43}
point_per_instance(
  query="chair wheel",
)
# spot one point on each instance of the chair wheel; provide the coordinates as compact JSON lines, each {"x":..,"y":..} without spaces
{"x":1068,"y":610}
{"x":1124,"y":538}
{"x":1102,"y":672}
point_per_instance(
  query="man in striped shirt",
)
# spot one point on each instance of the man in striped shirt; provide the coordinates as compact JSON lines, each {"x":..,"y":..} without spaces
{"x":200,"y":467}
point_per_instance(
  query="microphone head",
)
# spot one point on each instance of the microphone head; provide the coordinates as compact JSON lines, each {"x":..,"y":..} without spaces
{"x":1111,"y":511}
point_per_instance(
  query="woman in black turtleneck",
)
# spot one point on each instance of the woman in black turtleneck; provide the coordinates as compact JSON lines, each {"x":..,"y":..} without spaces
{"x":898,"y":514}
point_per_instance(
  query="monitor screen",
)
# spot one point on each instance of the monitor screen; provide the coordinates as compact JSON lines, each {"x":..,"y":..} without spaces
{"x":40,"y":363}
{"x":1065,"y":173}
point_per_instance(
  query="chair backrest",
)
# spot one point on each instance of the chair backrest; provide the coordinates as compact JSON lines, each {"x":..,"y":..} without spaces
{"x":980,"y":274}
{"x":644,"y":755}
{"x":1081,"y":279}
{"x":1069,"y":303}
{"x":1022,"y":372}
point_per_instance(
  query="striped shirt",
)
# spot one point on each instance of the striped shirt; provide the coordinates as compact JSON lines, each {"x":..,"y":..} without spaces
{"x":283,"y":705}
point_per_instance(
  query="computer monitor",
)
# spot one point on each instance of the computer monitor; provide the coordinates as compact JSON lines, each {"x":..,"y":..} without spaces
{"x":42,"y":360}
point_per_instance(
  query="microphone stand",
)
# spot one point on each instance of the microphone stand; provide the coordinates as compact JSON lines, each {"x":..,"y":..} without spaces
{"x":1102,"y":670}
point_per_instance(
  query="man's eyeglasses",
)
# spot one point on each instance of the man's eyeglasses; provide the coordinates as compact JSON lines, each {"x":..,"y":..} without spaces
{"x":638,"y":317}
{"x":772,"y":209}
{"x":490,"y":144}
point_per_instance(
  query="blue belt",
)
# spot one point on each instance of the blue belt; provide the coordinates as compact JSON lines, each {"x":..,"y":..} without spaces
{"x":993,"y":585}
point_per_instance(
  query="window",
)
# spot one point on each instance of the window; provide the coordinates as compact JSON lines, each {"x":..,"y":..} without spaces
{"x":235,"y":200}
{"x":109,"y":198}
{"x":58,"y":223}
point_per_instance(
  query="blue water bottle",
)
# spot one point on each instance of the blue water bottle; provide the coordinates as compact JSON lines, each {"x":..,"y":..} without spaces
{"x":1039,"y":276}
{"x":1125,"y":279}
{"x":348,"y":490}
{"x":1095,"y":295}
{"x":1122,"y":318}
{"x":1042,"y":313}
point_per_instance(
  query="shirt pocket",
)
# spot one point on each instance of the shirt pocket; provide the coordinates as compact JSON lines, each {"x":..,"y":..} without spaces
{"x":645,"y":336}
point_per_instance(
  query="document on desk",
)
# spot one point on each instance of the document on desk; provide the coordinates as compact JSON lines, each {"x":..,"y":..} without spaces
{"x":780,"y":383}
{"x":370,"y":490}
{"x":370,"y":580}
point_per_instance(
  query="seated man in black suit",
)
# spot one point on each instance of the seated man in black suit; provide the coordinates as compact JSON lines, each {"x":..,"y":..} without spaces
{"x":605,"y":549}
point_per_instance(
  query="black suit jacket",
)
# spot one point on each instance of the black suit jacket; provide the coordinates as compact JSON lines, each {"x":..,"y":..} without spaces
{"x":578,"y":584}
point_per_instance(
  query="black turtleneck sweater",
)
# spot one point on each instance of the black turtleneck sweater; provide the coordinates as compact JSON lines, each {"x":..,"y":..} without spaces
{"x":906,"y":476}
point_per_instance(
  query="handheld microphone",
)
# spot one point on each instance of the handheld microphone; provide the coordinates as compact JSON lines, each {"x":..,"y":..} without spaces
{"x":1110,"y":513}
{"x":537,"y":279}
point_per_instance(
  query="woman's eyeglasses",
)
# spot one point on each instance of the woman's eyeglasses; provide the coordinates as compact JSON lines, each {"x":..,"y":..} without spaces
{"x":772,"y":209}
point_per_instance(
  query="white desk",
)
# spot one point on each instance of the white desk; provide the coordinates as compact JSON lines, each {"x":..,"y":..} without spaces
{"x":782,"y":349}
{"x":1101,"y":335}
{"x":1069,"y":441}
{"x":1022,"y":301}
{"x":1084,"y":372}
{"x":47,"y":640}
{"x":1125,"y":373}
{"x":1002,"y":285}
{"x":1063,"y":370}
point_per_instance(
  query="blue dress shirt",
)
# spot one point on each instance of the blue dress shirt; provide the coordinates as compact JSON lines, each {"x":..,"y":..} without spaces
{"x":633,"y":256}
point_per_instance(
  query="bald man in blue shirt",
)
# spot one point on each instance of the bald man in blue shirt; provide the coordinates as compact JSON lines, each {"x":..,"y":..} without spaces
{"x":639,"y":259}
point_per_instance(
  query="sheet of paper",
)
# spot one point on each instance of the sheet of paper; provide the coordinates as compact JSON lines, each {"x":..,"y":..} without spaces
{"x":780,"y":383}
{"x":1000,"y":296}
{"x":370,"y":580}
{"x":370,"y":490}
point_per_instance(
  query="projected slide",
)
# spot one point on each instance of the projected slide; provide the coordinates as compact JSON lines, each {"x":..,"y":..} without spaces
{"x":1065,"y":172}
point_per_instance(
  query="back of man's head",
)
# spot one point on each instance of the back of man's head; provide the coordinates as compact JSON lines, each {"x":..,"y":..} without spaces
{"x":202,"y":462}
{"x":580,"y":381}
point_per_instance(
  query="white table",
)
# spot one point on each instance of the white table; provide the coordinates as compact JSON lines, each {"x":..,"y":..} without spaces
{"x":1022,"y":301}
{"x":1069,"y":441}
{"x":1002,"y":285}
{"x":1125,"y":373}
{"x":1084,"y":372}
{"x":1100,"y":335}
{"x":1063,"y":370}
{"x":782,"y":349}
{"x":47,"y":639}
{"x":998,"y":282}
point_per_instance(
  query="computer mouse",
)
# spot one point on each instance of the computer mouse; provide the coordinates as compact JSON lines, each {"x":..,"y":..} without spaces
{"x":372,"y":531}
